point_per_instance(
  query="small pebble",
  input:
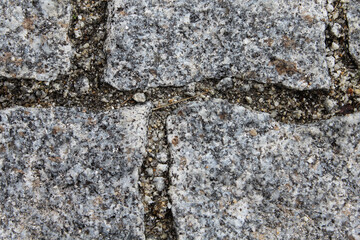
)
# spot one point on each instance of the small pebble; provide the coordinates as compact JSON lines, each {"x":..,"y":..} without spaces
{"x":335,"y":46}
{"x":336,"y":30}
{"x":77,"y":33}
{"x":139,"y":97}
{"x":159,"y":183}
{"x":298,"y":114}
{"x":329,"y":8}
{"x":161,"y":168}
{"x":335,"y":15}
{"x":224,"y":84}
{"x":245,"y":87}
{"x":248,"y":100}
{"x":329,"y":104}
{"x":273,"y":114}
{"x":162,"y":157}
{"x":330,"y":61}
{"x":150,"y":171}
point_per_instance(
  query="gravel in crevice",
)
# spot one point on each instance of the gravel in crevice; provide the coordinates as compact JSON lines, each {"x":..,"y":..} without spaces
{"x":155,"y":181}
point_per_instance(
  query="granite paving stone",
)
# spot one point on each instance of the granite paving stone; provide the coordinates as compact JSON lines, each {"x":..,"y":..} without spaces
{"x":71,"y":174}
{"x":353,"y":17}
{"x":239,"y":174}
{"x":173,"y":43}
{"x":34,"y":41}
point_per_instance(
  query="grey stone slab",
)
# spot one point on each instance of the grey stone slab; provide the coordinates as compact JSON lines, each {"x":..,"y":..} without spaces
{"x":71,"y":174}
{"x":353,"y":17}
{"x":172,"y":43}
{"x":34,"y":40}
{"x":238,"y":174}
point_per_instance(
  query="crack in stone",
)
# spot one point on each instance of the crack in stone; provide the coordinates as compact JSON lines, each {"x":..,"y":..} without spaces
{"x":155,"y":181}
{"x":340,"y":10}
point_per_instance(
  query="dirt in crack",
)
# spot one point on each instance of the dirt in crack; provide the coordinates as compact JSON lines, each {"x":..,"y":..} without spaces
{"x":155,"y":180}
{"x":337,"y":39}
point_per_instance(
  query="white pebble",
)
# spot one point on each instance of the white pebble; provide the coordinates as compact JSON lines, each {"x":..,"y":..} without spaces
{"x":248,"y":99}
{"x":329,"y":8}
{"x":336,"y":30}
{"x":159,"y":183}
{"x":335,"y":46}
{"x":162,"y":157}
{"x":330,"y":62}
{"x":329,"y":104}
{"x":139,"y":97}
{"x":150,"y":171}
{"x":161,"y":168}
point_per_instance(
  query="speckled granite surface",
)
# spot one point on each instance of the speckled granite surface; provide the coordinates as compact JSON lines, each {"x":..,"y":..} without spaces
{"x":71,"y":174}
{"x":34,"y":39}
{"x":353,"y":17}
{"x":238,"y":174}
{"x":172,"y":43}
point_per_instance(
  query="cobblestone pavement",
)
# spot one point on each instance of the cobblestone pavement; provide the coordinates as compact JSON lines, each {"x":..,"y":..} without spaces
{"x":179,"y":119}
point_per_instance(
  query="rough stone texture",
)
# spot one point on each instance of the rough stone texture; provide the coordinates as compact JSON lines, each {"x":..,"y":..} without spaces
{"x":353,"y":17}
{"x":165,"y":43}
{"x":71,"y":174}
{"x":238,"y":174}
{"x":34,"y":39}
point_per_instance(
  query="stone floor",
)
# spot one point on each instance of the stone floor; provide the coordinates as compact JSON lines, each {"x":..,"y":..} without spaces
{"x":162,"y":119}
{"x":240,"y":174}
{"x":69,"y":173}
{"x":33,"y":40}
{"x":179,"y":42}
